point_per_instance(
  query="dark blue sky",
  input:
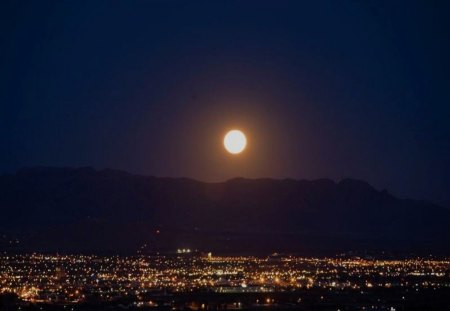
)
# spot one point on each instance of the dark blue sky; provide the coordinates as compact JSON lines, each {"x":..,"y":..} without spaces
{"x":322,"y":88}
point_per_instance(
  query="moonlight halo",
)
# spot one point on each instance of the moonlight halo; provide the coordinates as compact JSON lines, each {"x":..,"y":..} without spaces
{"x":235,"y":141}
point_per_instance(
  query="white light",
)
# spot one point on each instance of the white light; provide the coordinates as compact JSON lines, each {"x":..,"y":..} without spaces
{"x":235,"y":141}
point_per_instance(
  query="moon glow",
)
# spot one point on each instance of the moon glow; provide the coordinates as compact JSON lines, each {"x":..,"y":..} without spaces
{"x":235,"y":141}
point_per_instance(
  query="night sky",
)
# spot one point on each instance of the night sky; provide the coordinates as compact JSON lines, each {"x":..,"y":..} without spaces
{"x":322,"y":89}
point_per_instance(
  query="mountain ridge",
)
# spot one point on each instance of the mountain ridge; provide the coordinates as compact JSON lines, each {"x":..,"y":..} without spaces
{"x":52,"y":208}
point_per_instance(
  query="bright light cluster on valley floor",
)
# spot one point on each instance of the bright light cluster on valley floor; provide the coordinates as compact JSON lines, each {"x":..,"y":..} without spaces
{"x":78,"y":278}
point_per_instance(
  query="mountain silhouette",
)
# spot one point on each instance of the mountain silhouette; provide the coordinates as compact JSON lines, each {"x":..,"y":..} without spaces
{"x":85,"y":210}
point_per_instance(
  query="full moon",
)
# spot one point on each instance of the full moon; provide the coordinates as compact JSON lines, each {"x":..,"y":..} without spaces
{"x":235,"y":141}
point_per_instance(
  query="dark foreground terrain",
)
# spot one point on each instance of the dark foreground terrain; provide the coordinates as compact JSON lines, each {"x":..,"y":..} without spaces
{"x":312,"y":299}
